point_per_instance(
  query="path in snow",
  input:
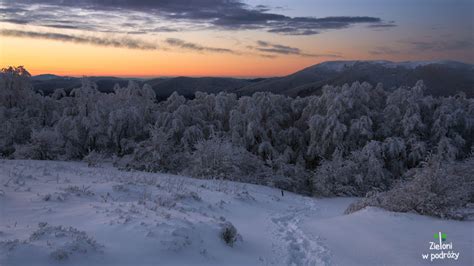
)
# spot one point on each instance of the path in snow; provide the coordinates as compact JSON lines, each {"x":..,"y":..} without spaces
{"x":302,"y":249}
{"x":49,"y":209}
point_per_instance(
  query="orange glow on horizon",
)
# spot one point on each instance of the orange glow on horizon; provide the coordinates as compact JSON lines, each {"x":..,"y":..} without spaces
{"x":40,"y":56}
{"x":69,"y":59}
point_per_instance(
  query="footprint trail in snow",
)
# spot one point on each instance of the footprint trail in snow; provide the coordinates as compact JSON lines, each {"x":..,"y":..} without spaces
{"x":301,"y":249}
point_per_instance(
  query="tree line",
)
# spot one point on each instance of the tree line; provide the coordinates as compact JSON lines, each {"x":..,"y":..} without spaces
{"x":349,"y":140}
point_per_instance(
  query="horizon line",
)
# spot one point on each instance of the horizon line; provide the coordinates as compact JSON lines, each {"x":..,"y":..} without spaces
{"x":237,"y":76}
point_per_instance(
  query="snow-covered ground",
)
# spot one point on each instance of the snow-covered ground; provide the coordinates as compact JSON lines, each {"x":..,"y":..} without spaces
{"x":340,"y":65}
{"x":65,"y":213}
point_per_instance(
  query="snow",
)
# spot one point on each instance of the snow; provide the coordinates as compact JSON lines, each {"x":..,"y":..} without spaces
{"x":341,"y":65}
{"x":66,"y":213}
{"x":336,"y":65}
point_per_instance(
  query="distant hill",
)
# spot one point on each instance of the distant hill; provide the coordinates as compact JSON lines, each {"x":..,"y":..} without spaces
{"x":189,"y":86}
{"x":163,"y":87}
{"x":442,"y":78}
{"x":49,"y":83}
{"x":45,"y":77}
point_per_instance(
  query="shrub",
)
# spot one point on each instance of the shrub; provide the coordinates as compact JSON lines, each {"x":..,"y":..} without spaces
{"x":79,"y":191}
{"x":93,"y":159}
{"x":229,"y":233}
{"x":437,"y":189}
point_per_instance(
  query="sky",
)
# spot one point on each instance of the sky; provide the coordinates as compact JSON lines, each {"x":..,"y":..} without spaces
{"x":232,"y":38}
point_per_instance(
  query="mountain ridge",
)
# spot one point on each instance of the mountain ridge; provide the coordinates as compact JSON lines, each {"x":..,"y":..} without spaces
{"x":442,"y":78}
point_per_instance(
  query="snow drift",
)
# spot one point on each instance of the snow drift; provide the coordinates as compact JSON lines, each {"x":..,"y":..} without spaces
{"x":66,"y":213}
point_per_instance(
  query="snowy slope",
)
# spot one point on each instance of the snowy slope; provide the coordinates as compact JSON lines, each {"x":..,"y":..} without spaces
{"x":65,"y":213}
{"x":441,"y":77}
{"x":342,"y":65}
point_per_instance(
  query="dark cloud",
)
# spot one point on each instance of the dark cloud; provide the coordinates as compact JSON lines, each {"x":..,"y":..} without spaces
{"x":277,"y":48}
{"x":164,"y":29}
{"x":196,"y":47}
{"x":291,"y":31}
{"x":227,"y":14}
{"x":272,"y":49}
{"x":15,"y":21}
{"x":11,"y":10}
{"x":82,"y":39}
{"x":61,"y":26}
{"x":64,"y":24}
{"x":262,"y":8}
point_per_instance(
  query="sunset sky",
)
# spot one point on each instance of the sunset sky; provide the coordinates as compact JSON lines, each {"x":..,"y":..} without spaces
{"x":146,"y":38}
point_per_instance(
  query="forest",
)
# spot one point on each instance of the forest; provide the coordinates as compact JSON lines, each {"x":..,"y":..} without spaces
{"x":396,"y":147}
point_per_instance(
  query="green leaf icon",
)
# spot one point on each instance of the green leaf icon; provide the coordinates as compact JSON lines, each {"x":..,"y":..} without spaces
{"x":443,"y":236}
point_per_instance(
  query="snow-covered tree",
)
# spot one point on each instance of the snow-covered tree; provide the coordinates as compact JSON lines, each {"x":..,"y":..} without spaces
{"x":44,"y":144}
{"x":349,"y":140}
{"x":218,"y":158}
